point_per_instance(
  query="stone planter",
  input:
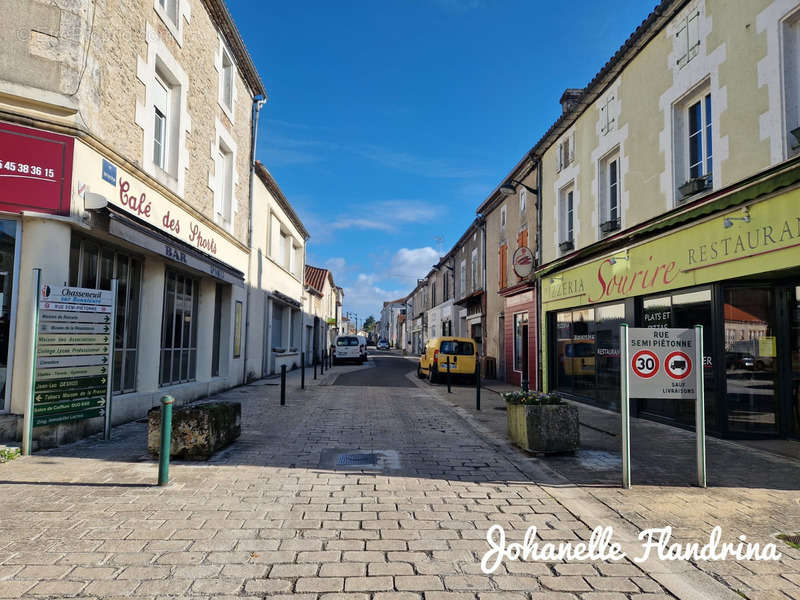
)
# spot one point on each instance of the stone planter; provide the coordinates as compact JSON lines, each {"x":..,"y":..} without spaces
{"x":198,"y":430}
{"x":546,"y":428}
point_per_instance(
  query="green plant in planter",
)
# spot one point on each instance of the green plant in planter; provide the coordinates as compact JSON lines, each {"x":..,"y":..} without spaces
{"x":533,"y":398}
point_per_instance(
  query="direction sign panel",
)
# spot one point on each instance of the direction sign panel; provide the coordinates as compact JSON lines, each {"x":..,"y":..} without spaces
{"x":74,"y":353}
{"x":661,"y":361}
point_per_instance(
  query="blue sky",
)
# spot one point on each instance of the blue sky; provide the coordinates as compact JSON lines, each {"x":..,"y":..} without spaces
{"x":390,"y":121}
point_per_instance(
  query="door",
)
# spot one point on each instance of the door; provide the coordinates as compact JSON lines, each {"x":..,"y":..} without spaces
{"x":794,"y":345}
{"x":751,"y":366}
{"x":8,"y":238}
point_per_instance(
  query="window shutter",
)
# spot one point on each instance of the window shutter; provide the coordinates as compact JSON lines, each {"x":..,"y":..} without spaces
{"x":523,"y":238}
{"x":604,"y":119}
{"x":571,"y":147}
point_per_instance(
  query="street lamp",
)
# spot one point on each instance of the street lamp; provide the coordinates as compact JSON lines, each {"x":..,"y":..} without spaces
{"x":509,"y":188}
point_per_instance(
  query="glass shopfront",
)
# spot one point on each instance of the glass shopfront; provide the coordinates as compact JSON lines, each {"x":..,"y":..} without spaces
{"x":751,"y":340}
{"x":8,"y":245}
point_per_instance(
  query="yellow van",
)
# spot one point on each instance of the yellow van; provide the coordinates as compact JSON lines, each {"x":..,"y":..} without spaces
{"x":460,"y":353}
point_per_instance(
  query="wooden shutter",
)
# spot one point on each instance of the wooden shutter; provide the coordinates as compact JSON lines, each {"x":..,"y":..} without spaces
{"x":503,"y":266}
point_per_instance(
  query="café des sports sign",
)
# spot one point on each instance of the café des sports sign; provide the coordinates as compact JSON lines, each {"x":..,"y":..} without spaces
{"x":695,"y":255}
{"x":139,"y":200}
{"x":35,"y":170}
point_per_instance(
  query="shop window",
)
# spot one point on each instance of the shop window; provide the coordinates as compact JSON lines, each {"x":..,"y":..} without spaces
{"x":682,"y":310}
{"x":751,"y":369}
{"x":8,"y":246}
{"x":94,"y":266}
{"x":520,"y":339}
{"x":179,"y":329}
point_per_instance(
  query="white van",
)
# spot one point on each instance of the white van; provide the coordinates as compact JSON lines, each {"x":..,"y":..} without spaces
{"x":348,"y":348}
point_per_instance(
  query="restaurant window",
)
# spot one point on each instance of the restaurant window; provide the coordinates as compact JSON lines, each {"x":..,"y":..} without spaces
{"x":587,"y":350}
{"x":682,"y":310}
{"x":179,"y":329}
{"x":94,"y":266}
{"x":751,"y":369}
{"x":217,"y":330}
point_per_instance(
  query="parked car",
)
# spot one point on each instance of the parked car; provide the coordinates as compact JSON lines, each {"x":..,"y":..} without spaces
{"x":383,"y":345}
{"x":739,"y":360}
{"x":348,"y":348}
{"x":457,"y":354}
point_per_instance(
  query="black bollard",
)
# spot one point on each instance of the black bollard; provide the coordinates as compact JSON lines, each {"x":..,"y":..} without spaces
{"x":315,"y":366}
{"x":477,"y":385}
{"x":447,"y":363}
{"x":322,"y":364}
{"x":283,"y":385}
{"x":302,"y":370}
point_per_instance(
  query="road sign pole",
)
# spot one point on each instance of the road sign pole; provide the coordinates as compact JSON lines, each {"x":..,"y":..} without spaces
{"x":27,"y":429}
{"x":110,"y":375}
{"x":625,"y":408}
{"x":700,"y":409}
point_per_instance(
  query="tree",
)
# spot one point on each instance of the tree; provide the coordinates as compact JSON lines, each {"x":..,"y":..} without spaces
{"x":369,"y":324}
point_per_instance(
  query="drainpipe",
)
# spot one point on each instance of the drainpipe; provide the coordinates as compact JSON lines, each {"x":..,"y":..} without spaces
{"x":258,"y":102}
{"x":539,"y":366}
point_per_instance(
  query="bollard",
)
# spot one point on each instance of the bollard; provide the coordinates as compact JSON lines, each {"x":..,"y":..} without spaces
{"x":322,"y":364}
{"x":166,"y":438}
{"x":283,"y":385}
{"x":302,"y":370}
{"x":477,"y":385}
{"x":449,"y":391}
{"x":315,"y":366}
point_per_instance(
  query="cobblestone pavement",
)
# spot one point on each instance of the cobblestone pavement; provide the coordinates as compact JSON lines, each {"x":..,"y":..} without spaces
{"x":274,"y":515}
{"x":750,"y":492}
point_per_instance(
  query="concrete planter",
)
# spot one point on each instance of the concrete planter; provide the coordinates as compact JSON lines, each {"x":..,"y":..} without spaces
{"x":198,"y":430}
{"x":546,"y":428}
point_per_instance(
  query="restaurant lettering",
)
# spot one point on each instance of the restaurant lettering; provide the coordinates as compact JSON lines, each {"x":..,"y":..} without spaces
{"x":140,"y":206}
{"x":760,"y":238}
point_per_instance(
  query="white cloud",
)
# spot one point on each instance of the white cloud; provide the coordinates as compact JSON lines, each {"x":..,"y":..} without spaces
{"x":365,"y":298}
{"x":347,"y":223}
{"x":337,"y":264}
{"x":408,"y":265}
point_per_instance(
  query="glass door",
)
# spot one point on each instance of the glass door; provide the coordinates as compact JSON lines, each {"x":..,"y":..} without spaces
{"x":794,"y":344}
{"x":8,"y":238}
{"x":751,"y":368}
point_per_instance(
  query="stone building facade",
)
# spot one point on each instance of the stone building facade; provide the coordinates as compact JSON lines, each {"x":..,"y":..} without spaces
{"x":141,"y":117}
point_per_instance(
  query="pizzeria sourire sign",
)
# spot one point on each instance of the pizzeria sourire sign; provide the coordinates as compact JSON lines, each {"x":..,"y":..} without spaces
{"x":522,"y":261}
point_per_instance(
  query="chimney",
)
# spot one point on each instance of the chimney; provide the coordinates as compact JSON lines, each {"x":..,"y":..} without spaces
{"x":569,"y":98}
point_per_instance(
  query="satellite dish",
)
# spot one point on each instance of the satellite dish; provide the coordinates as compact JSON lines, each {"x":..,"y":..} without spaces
{"x":94,"y":201}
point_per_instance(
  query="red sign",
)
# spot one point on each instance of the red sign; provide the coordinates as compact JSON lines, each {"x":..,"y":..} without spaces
{"x":522,"y":261}
{"x":678,"y":365}
{"x":645,"y":364}
{"x":35,"y":170}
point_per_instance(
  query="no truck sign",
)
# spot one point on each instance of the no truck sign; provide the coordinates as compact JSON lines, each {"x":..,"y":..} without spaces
{"x":666,"y":364}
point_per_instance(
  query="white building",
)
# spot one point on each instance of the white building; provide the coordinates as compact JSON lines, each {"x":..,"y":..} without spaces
{"x":387,"y":326}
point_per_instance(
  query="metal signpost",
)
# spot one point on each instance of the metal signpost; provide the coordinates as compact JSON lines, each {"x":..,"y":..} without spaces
{"x":72,"y":356}
{"x":662,"y":363}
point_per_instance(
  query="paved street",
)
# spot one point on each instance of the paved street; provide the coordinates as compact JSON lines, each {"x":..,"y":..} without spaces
{"x":281,"y":512}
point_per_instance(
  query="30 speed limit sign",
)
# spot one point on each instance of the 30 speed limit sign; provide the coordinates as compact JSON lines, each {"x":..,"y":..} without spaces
{"x":645,"y":364}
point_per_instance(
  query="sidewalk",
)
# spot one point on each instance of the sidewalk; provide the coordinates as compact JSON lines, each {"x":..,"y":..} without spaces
{"x":751,"y":492}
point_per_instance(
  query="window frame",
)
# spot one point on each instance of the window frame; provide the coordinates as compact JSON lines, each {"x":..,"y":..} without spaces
{"x":566,"y":214}
{"x":191,"y":349}
{"x":610,"y":217}
{"x":474,"y":269}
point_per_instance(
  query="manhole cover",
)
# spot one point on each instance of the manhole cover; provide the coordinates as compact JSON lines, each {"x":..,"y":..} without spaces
{"x":356,"y":460}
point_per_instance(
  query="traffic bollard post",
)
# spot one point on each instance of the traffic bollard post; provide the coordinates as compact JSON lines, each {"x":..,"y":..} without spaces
{"x":166,"y":438}
{"x":447,"y":363}
{"x":322,"y":364}
{"x":477,"y":386}
{"x":315,"y":366}
{"x":283,"y":385}
{"x":302,"y":370}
